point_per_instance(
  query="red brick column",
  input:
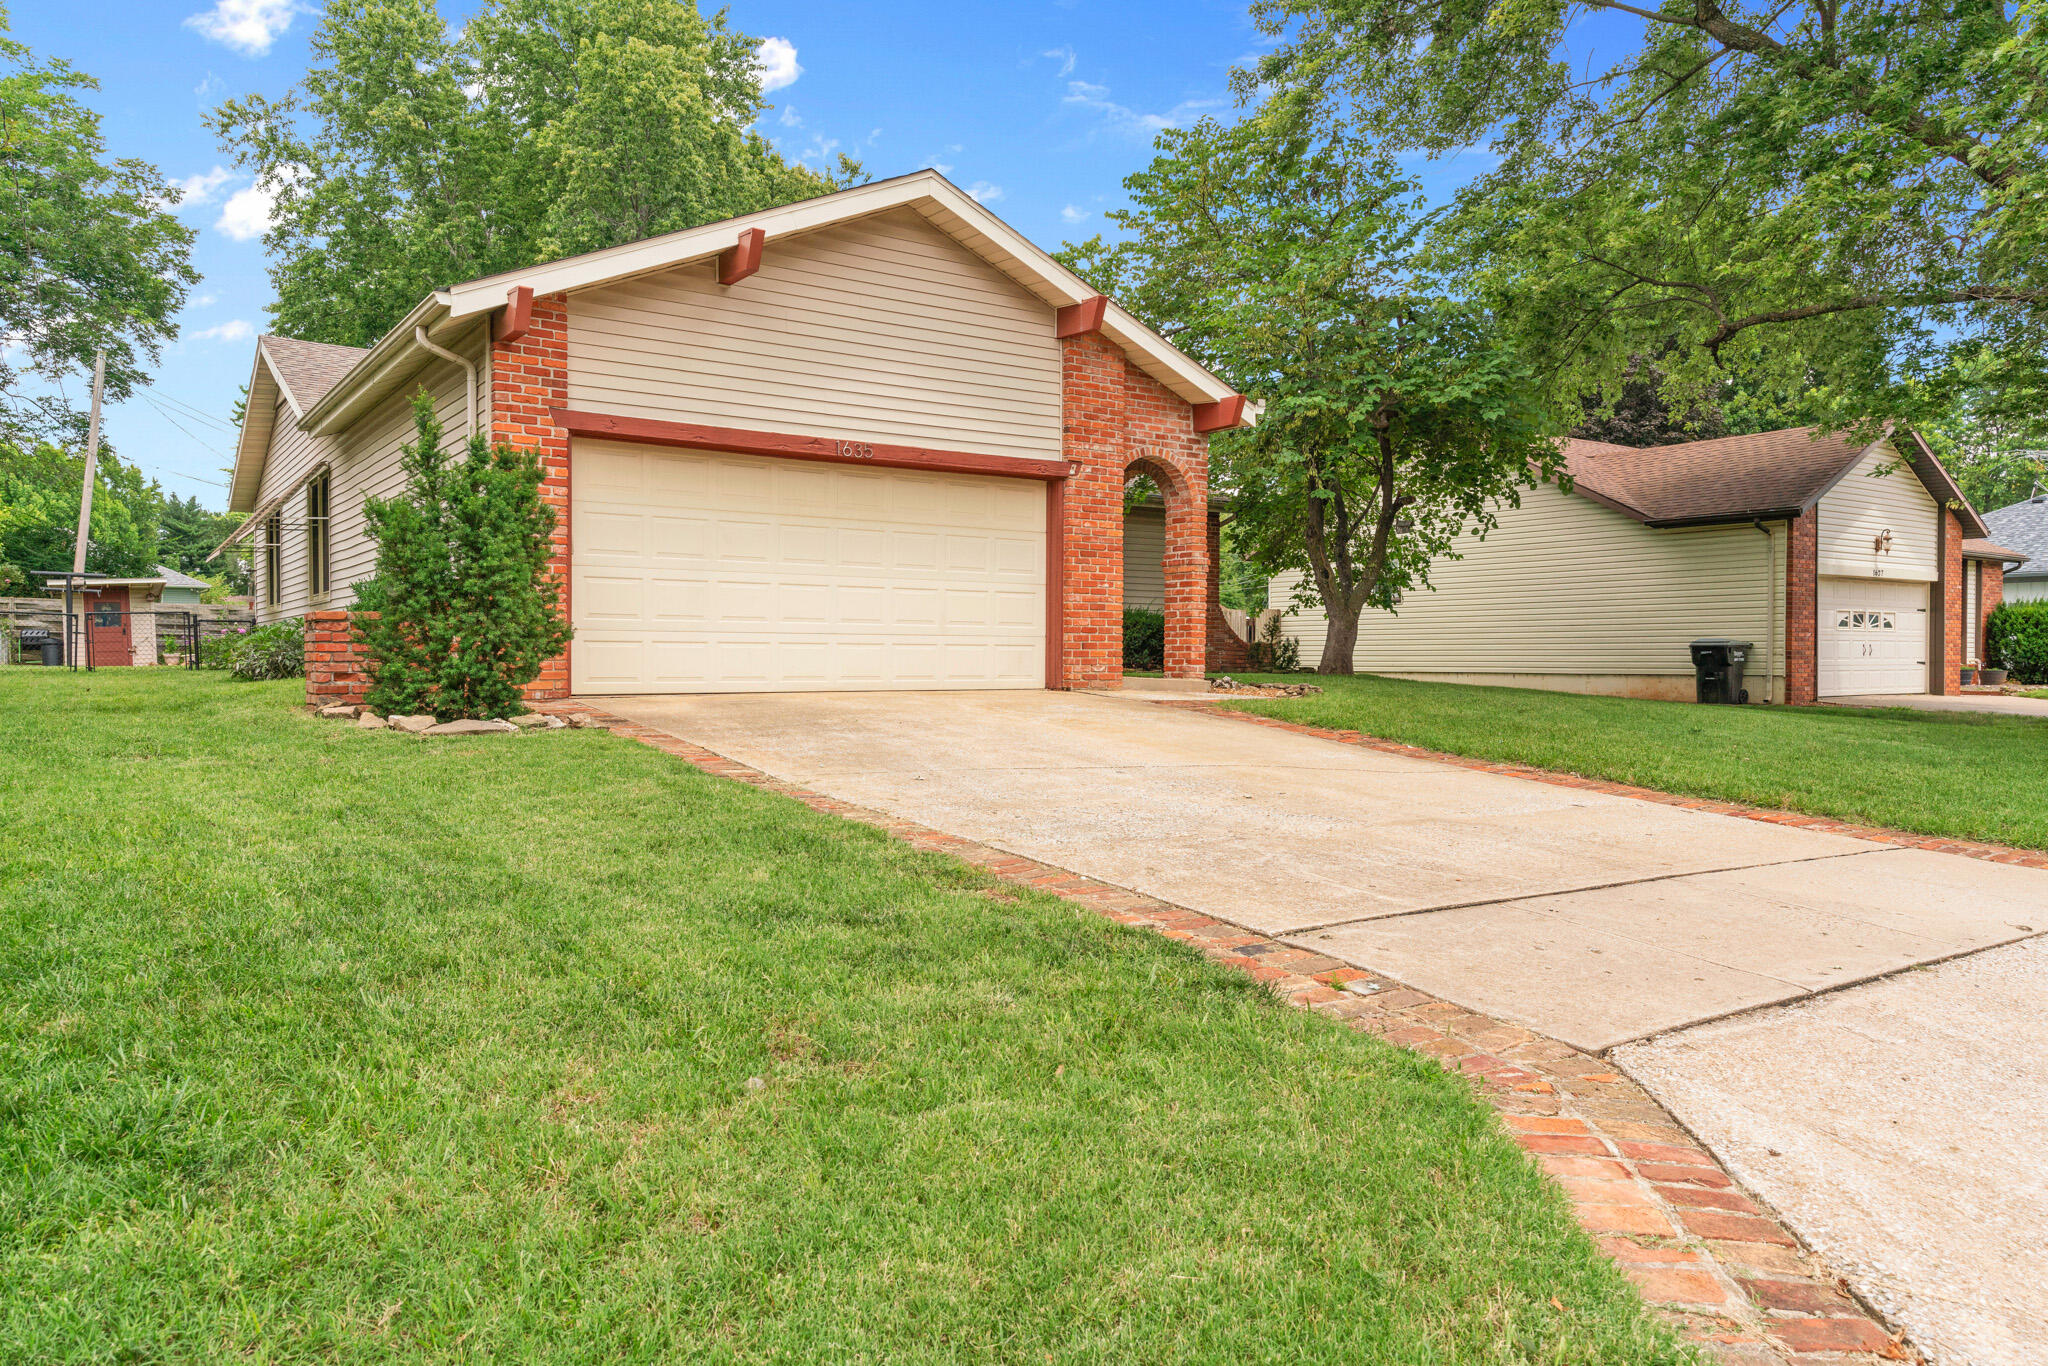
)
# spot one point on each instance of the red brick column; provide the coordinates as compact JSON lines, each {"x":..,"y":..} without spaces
{"x":1802,"y":604}
{"x":1991,"y":592}
{"x":334,"y":667}
{"x":1949,"y":677}
{"x":529,"y":379}
{"x":1114,"y":417}
{"x":1226,"y":649}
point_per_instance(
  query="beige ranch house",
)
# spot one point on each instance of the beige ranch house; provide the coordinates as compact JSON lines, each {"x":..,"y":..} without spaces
{"x":874,"y":440}
{"x":1853,"y":568}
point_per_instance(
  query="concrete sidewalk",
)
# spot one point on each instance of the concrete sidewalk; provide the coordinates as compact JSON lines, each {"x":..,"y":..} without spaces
{"x":1594,"y":919}
{"x":1997,"y":704}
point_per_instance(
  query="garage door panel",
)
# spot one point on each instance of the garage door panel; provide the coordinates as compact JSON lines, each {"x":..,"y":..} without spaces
{"x":719,"y":572}
{"x":1874,"y":636}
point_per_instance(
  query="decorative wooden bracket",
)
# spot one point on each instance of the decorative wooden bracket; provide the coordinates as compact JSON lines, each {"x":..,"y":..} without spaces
{"x":517,"y":319}
{"x":1085,"y":316}
{"x":1218,"y":416}
{"x":737,"y":263}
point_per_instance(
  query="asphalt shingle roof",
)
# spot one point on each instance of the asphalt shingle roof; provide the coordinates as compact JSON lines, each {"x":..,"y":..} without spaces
{"x":1726,"y":478}
{"x":173,"y":579}
{"x":2023,"y":527}
{"x":310,"y":369}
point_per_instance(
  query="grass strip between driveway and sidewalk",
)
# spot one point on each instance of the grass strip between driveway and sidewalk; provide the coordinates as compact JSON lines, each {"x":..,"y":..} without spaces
{"x":337,"y":1044}
{"x":1966,"y":775}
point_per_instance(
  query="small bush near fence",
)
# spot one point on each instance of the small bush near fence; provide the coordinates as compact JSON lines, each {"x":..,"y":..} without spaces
{"x":1144,"y":639}
{"x":274,"y":651}
{"x":2016,"y":638}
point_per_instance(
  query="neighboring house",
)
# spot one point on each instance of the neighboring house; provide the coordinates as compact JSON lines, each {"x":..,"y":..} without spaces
{"x":117,"y":626}
{"x":180,"y":589}
{"x":1843,"y":563}
{"x":2024,"y":527}
{"x":875,"y":439}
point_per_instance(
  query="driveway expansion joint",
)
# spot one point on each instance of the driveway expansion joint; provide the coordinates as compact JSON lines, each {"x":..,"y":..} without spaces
{"x":1714,"y":1261}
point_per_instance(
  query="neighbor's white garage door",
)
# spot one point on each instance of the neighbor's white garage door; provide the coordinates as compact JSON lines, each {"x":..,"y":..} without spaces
{"x":1873,"y":636}
{"x":709,"y":572}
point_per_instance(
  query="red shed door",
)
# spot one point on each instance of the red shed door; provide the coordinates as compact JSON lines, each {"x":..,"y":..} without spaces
{"x":109,"y":632}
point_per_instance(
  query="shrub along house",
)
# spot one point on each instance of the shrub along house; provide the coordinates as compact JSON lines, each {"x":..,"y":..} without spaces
{"x":871,"y":440}
{"x":1852,"y":567}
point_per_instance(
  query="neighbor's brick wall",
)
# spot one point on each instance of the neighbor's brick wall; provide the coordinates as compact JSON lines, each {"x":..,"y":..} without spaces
{"x":1118,"y":420}
{"x":1802,"y":602}
{"x":530,"y":378}
{"x":334,"y":669}
{"x":1949,"y":679}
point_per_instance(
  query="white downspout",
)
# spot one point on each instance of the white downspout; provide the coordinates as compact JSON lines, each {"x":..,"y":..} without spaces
{"x":419,"y":334}
{"x":1770,"y":608}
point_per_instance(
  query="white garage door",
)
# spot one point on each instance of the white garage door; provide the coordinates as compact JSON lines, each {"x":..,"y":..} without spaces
{"x":709,"y":572}
{"x":1873,"y":636}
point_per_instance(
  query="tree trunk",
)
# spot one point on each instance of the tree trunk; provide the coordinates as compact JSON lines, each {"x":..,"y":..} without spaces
{"x":1340,"y":641}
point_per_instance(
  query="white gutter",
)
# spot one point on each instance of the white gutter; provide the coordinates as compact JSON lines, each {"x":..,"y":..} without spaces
{"x":419,"y":334}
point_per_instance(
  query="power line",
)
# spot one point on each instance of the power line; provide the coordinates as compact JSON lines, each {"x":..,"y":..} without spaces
{"x":187,"y":409}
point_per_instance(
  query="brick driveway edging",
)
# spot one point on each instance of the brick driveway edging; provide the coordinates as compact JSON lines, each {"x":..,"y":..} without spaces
{"x":1711,"y":1259}
{"x":1905,"y":839}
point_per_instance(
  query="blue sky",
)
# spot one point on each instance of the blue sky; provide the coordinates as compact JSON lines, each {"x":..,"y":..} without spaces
{"x":1041,"y":108}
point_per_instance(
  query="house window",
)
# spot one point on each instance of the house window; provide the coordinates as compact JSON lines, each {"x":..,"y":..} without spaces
{"x":273,"y":559}
{"x":316,"y":535}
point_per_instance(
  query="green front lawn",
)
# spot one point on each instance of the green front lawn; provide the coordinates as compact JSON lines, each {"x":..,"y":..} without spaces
{"x":1967,"y":774}
{"x":320,"y":1044}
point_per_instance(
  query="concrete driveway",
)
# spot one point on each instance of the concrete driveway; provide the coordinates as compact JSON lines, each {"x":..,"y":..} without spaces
{"x":1591,"y":918}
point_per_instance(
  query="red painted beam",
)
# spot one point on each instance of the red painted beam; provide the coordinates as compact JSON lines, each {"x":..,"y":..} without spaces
{"x":1085,"y":316}
{"x":737,"y":263}
{"x":1223,"y":413}
{"x":517,"y":319}
{"x":652,"y":432}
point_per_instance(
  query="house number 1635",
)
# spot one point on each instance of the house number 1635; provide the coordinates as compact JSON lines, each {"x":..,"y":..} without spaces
{"x":853,"y":450}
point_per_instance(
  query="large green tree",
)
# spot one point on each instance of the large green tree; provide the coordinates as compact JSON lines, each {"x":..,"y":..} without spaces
{"x":39,"y":493}
{"x":1837,"y":200}
{"x":414,"y":154}
{"x":90,"y":255}
{"x":1283,"y":254}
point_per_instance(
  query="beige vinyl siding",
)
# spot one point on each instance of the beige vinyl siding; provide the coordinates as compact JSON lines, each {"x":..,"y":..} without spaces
{"x":1145,"y":558}
{"x":1566,"y":587}
{"x":883,"y":329}
{"x":1880,"y":494}
{"x":364,"y":461}
{"x":2025,"y":590}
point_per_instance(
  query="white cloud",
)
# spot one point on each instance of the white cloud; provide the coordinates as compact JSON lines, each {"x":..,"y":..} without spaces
{"x":1122,"y":118}
{"x":981,"y":192}
{"x":775,"y":59}
{"x":789,"y":118}
{"x":206,"y":301}
{"x":235,"y":330}
{"x":245,"y":26}
{"x":201,"y":188}
{"x":943,"y":167}
{"x":1064,"y":56}
{"x":1072,"y":214}
{"x":250,"y":210}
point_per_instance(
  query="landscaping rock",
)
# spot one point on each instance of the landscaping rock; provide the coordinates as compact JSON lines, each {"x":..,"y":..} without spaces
{"x":584,"y":720}
{"x":369,"y":720}
{"x":467,"y":727}
{"x":413,"y":724}
{"x":341,"y":711}
{"x":531,"y":720}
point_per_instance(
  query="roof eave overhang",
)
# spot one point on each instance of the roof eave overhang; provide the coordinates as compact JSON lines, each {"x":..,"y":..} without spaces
{"x":252,"y":443}
{"x":1782,"y":514}
{"x":396,"y":355}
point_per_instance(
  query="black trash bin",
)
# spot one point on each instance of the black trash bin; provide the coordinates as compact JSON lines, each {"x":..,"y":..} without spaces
{"x":1717,"y":669}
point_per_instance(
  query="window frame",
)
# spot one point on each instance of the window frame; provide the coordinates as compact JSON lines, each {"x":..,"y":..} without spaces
{"x":273,"y":560}
{"x":319,"y":501}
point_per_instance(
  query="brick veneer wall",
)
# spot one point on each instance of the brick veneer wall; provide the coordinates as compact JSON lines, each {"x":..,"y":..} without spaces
{"x":1949,"y":678}
{"x":1117,"y":419}
{"x":1990,"y":593}
{"x":1802,"y":609}
{"x":530,"y":378}
{"x":1227,"y":650}
{"x":334,"y":669}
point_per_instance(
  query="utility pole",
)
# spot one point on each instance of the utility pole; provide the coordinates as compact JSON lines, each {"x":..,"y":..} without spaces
{"x":92,"y":460}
